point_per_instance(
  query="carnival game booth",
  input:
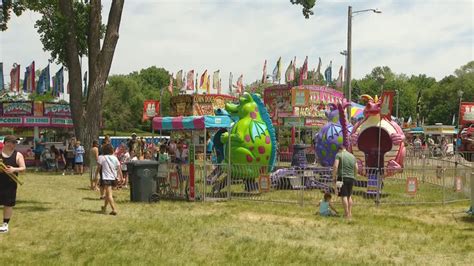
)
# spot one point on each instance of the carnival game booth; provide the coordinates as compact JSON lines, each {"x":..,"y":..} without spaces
{"x":192,"y":173}
{"x":298,"y":113}
{"x":27,"y":118}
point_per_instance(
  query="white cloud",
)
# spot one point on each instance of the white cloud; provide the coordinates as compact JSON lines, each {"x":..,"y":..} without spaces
{"x":411,"y":37}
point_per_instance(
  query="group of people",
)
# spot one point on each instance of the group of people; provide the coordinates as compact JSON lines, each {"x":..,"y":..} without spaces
{"x":435,"y":148}
{"x":51,"y":158}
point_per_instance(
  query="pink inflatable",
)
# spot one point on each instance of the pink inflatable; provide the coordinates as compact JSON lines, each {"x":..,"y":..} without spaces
{"x":365,"y":140}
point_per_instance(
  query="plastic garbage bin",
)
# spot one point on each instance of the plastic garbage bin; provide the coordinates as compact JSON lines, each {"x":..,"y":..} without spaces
{"x":142,"y":175}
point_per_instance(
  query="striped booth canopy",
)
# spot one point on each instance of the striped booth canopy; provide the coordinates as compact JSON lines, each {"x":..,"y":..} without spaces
{"x":191,"y":122}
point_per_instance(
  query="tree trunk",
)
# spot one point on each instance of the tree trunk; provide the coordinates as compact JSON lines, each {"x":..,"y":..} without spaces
{"x":86,"y":117}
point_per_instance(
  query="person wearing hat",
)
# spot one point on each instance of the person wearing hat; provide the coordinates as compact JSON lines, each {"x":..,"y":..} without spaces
{"x":15,"y":163}
{"x":134,"y":146}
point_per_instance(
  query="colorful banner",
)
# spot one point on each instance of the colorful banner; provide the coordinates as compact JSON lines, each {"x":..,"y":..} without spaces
{"x":15,"y":78}
{"x":181,"y":105}
{"x":411,"y":186}
{"x":17,"y":108}
{"x":190,"y":81}
{"x":278,"y":101}
{"x":57,"y":109}
{"x":387,"y":104}
{"x":466,"y":113}
{"x":151,"y":108}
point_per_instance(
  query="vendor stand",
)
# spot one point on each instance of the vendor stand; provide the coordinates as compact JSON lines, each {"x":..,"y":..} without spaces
{"x":298,"y":113}
{"x":195,"y":125}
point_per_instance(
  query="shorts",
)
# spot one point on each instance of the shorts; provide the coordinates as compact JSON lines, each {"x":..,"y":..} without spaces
{"x":112,"y":183}
{"x":346,"y":189}
{"x":79,"y":163}
{"x":37,"y":156}
{"x":93,"y":176}
{"x":7,"y":192}
{"x":69,"y":163}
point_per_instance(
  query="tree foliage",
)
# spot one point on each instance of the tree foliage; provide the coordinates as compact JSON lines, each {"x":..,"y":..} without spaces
{"x":307,"y":6}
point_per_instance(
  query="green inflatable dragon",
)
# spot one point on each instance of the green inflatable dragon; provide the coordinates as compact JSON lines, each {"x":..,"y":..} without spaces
{"x":252,"y":139}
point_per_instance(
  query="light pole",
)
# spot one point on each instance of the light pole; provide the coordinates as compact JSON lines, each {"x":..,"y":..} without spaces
{"x":344,"y":53}
{"x":350,"y":14}
{"x":460,"y":93}
{"x":398,"y":99}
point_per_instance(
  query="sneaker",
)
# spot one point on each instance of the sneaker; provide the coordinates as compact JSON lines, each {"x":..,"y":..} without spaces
{"x":4,"y":228}
{"x":113,"y":213}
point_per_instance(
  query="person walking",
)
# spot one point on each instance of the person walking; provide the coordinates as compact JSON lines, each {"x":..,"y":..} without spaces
{"x":79,"y":158}
{"x":14,"y":163}
{"x":94,"y":156}
{"x":109,"y":165}
{"x":345,"y":169}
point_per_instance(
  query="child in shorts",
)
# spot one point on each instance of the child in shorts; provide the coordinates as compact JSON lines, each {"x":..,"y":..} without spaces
{"x":326,"y":208}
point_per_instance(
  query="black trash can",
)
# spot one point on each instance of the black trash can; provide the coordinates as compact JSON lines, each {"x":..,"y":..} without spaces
{"x":142,"y":175}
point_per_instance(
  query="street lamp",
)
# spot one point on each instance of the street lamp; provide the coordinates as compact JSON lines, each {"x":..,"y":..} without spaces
{"x":350,"y":14}
{"x":460,"y":93}
{"x":398,"y":99}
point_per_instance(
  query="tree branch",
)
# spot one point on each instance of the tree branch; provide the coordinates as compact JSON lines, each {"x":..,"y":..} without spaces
{"x":111,"y":37}
{"x":93,"y":38}
{"x":72,"y":63}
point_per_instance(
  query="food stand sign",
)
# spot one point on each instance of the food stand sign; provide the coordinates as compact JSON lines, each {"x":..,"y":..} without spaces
{"x":11,"y":121}
{"x":466,"y":113}
{"x":57,"y":109}
{"x":17,"y":108}
{"x":299,"y":97}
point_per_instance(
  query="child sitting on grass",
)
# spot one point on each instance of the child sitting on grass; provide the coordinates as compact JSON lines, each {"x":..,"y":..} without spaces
{"x":325,"y":207}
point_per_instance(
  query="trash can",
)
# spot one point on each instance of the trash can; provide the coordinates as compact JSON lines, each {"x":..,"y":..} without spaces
{"x":142,"y":175}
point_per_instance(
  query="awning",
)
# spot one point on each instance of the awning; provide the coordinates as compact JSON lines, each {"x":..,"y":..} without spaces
{"x":191,"y":122}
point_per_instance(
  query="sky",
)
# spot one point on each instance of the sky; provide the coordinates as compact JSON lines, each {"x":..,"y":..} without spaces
{"x":432,"y":37}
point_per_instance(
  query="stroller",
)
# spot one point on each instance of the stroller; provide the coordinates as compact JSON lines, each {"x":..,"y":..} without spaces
{"x":48,"y":160}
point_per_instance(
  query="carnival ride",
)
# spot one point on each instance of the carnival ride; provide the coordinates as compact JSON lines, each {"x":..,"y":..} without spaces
{"x":250,"y":147}
{"x":377,"y":141}
{"x":332,"y":135}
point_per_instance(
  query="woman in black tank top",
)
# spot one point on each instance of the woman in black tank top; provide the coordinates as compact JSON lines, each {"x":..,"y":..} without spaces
{"x":15,"y":163}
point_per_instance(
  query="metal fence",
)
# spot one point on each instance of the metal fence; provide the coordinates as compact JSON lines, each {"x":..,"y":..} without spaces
{"x":302,"y":186}
{"x":424,"y":180}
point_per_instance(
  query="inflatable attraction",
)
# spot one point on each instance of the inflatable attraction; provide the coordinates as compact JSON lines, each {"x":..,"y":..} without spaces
{"x":376,"y":140}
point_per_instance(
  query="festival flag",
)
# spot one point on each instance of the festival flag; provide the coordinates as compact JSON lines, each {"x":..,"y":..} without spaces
{"x":304,"y":71}
{"x":58,"y":85}
{"x":29,"y":81}
{"x":215,"y":80}
{"x":197,"y":84}
{"x":277,"y":71}
{"x":289,"y":74}
{"x":230,"y":83}
{"x":15,"y":78}
{"x":318,"y":70}
{"x":454,"y":119}
{"x":86,"y":92}
{"x":26,"y":79}
{"x":264,"y":75}
{"x":44,"y":81}
{"x":190,"y":81}
{"x":203,"y":83}
{"x":240,"y":85}
{"x":219,"y":87}
{"x":179,"y":79}
{"x":328,"y":73}
{"x":208,"y":87}
{"x":2,"y":85}
{"x":339,"y":78}
{"x":170,"y":85}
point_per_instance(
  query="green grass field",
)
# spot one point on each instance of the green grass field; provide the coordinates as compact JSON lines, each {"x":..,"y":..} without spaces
{"x":57,"y":221}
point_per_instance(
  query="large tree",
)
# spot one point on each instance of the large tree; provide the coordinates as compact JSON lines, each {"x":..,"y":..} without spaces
{"x":69,"y":30}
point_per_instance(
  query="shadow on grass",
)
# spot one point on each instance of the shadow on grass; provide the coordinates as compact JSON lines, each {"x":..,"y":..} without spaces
{"x":84,"y":188}
{"x":92,"y":211}
{"x":95,"y":199}
{"x":32,"y":205}
{"x":467,"y":219}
